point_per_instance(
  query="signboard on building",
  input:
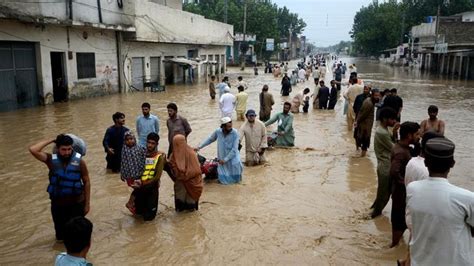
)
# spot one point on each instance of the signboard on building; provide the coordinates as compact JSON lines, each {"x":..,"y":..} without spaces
{"x":239,"y":37}
{"x":400,"y":50}
{"x":270,"y":44}
{"x":441,"y":48}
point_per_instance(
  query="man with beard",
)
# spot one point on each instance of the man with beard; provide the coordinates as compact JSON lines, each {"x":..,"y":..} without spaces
{"x":113,"y":142}
{"x":365,"y":121}
{"x":146,"y":195}
{"x":176,"y":125}
{"x":400,"y":156}
{"x":69,"y":185}
{"x":286,"y":135}
{"x":229,"y":170}
{"x":255,"y":134}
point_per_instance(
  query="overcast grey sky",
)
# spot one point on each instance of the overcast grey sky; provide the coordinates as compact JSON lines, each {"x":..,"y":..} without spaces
{"x":328,"y":21}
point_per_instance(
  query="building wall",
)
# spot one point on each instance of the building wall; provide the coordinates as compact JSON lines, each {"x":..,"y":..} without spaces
{"x":158,"y":23}
{"x":83,"y":11}
{"x":163,"y":50}
{"x":176,"y":4}
{"x":457,"y":32}
{"x":52,"y":38}
{"x":467,"y":16}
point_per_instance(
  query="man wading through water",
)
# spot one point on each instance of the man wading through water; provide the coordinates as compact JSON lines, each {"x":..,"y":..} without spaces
{"x":69,"y":185}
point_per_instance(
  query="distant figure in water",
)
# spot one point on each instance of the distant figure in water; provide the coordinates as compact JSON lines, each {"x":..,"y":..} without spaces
{"x":432,"y":124}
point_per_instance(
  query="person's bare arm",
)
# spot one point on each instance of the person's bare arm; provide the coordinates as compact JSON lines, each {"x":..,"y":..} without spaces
{"x":423,"y":127}
{"x":87,"y":186}
{"x":37,"y":150}
{"x":441,"y":127}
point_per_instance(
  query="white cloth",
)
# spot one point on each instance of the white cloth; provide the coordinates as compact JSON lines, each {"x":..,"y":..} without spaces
{"x":302,"y":74}
{"x":442,"y":216}
{"x":227,"y":103}
{"x":415,"y":170}
{"x":243,"y":84}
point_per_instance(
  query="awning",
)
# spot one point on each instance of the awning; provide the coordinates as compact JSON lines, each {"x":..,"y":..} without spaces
{"x":182,"y":61}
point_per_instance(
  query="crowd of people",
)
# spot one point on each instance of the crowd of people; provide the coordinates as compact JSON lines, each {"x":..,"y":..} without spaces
{"x":412,"y":172}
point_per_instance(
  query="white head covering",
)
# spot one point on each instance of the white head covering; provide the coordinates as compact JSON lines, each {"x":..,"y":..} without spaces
{"x":226,"y":89}
{"x":225,"y":120}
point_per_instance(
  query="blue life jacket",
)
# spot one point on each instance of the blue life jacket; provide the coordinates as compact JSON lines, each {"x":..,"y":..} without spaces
{"x":65,"y":181}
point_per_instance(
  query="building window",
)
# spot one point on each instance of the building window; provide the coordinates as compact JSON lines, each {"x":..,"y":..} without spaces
{"x":85,"y":65}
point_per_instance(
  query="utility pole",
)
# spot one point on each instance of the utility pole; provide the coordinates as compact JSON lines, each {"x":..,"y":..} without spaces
{"x":437,"y":23}
{"x":402,"y":34}
{"x":289,"y":43}
{"x":242,"y":61}
{"x":226,"y":2}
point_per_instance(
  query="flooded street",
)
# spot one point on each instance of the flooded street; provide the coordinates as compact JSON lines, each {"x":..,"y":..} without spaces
{"x":307,"y":206}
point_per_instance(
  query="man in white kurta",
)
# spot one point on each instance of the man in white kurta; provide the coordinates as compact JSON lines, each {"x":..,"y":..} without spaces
{"x":442,"y":214}
{"x":227,"y":103}
{"x":255,"y":134}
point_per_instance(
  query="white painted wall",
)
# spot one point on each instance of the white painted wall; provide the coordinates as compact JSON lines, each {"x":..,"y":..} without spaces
{"x":468,"y":16}
{"x":424,"y":30}
{"x":158,"y":23}
{"x":54,"y":39}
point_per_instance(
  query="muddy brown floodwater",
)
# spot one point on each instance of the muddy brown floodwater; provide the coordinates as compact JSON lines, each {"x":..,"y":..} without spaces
{"x":307,"y":206}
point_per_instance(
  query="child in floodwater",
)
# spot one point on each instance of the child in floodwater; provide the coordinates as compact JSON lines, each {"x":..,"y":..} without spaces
{"x":133,"y":165}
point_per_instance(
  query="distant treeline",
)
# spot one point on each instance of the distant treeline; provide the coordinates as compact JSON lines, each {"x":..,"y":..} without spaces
{"x":381,"y":26}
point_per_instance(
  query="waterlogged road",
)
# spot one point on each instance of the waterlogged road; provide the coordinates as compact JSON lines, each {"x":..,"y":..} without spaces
{"x":307,"y":206}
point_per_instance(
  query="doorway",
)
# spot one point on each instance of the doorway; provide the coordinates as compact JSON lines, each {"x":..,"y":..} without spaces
{"x":138,"y":73}
{"x":60,"y":92}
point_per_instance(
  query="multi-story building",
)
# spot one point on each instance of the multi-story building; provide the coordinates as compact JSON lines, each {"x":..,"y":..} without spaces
{"x":445,"y":47}
{"x":60,"y":50}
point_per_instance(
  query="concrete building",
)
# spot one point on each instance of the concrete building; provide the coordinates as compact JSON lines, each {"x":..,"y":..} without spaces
{"x":56,"y":51}
{"x":446,"y":47}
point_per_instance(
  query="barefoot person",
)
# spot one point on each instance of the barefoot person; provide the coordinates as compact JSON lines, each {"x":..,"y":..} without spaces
{"x":69,"y":186}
